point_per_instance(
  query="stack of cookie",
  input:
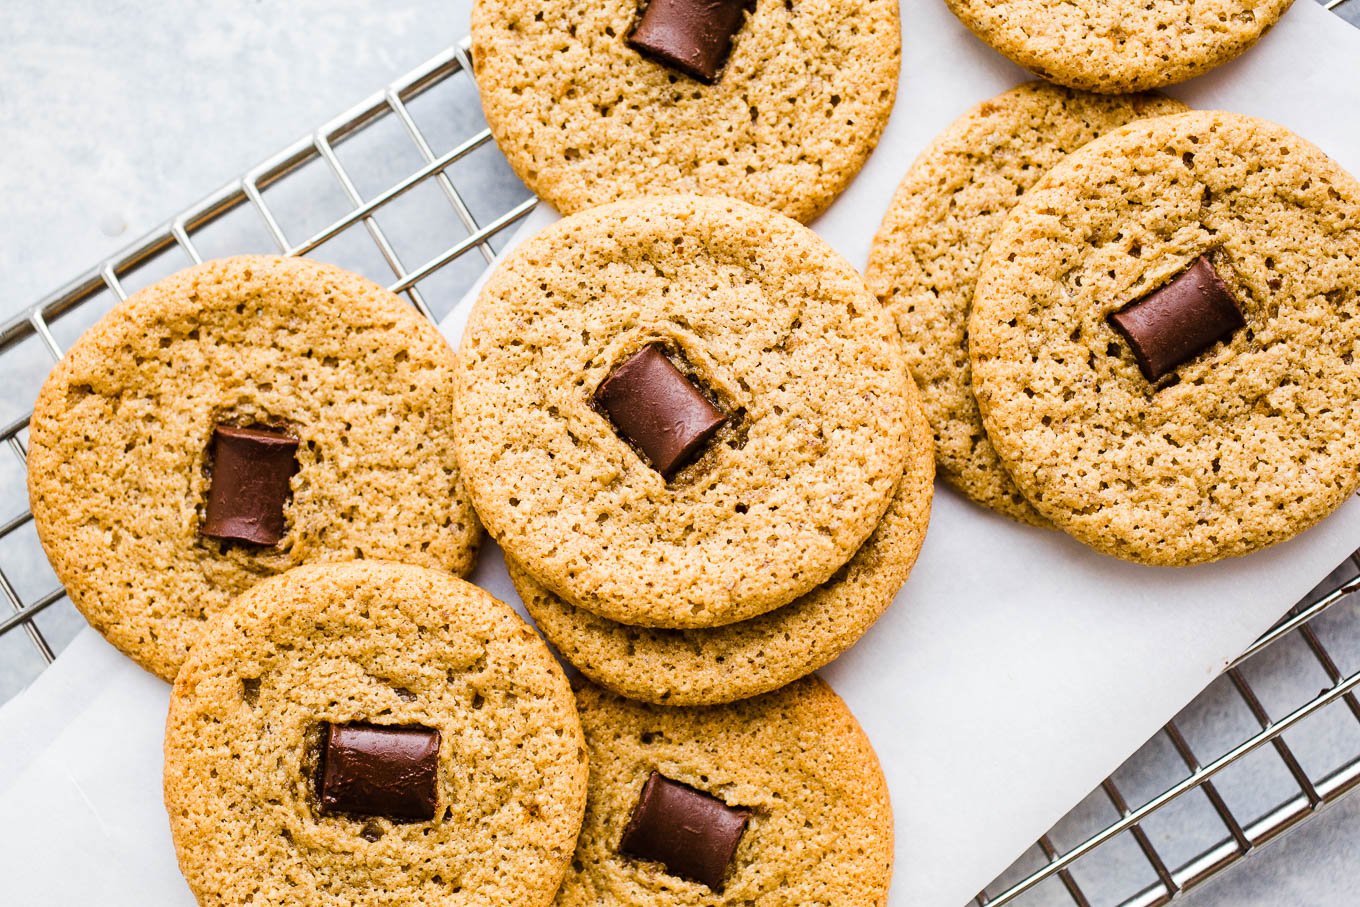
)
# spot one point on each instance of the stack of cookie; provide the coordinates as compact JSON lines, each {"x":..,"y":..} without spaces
{"x":690,"y":427}
{"x":1130,"y":321}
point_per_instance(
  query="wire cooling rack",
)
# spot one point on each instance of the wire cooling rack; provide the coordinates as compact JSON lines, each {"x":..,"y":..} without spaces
{"x":409,"y":189}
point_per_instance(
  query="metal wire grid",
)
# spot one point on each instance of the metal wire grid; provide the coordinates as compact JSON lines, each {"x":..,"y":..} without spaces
{"x":1053,"y":871}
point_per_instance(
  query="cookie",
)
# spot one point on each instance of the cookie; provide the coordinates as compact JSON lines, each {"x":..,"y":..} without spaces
{"x":736,"y":661}
{"x":1158,"y":407}
{"x":753,"y":316}
{"x":781,"y":800}
{"x":232,"y":421}
{"x":372,"y":733}
{"x":925,"y":256}
{"x":586,"y":115}
{"x":1119,"y":45}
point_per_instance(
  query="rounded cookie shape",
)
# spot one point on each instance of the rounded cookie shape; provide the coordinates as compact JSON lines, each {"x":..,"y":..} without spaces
{"x":924,"y":259}
{"x":1119,"y":45}
{"x":820,"y":826}
{"x":1244,"y":444}
{"x":707,"y":666}
{"x":584,"y":119}
{"x":372,"y":643}
{"x":760,"y":315}
{"x":119,"y":465}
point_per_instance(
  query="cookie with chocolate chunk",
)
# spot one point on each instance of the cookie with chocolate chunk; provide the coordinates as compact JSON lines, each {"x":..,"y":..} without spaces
{"x":924,"y":260}
{"x":1119,"y":45}
{"x":680,"y":411}
{"x":776,"y":801}
{"x":778,"y":104}
{"x":711,"y":665}
{"x":372,"y":733}
{"x":234,"y":420}
{"x":1164,"y":334}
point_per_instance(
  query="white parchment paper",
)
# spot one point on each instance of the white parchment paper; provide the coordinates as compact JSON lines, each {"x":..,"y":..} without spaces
{"x":1014,"y":672}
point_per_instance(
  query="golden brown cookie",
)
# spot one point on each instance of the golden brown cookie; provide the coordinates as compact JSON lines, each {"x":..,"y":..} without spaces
{"x":1119,"y":45}
{"x":1248,"y":435}
{"x":484,"y":811}
{"x":586,"y":119}
{"x":766,"y":322}
{"x":819,"y":824}
{"x":720,"y":664}
{"x":120,"y":460}
{"x":924,"y":260}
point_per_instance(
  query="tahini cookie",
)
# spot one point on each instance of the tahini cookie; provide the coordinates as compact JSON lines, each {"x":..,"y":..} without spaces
{"x":778,"y":104}
{"x":680,"y":411}
{"x":1119,"y":45}
{"x":1163,"y":339}
{"x":234,"y":420}
{"x":777,"y":801}
{"x":721,"y":664}
{"x":372,"y":733}
{"x":924,"y":260}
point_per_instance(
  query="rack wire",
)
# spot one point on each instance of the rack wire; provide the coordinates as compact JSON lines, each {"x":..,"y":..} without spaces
{"x":411,"y":175}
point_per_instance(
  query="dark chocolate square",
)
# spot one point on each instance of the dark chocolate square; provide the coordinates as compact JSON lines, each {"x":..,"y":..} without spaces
{"x":657,"y":409}
{"x":1180,"y":320}
{"x":690,"y":36}
{"x":375,"y":770}
{"x":251,"y":472}
{"x":693,"y":834}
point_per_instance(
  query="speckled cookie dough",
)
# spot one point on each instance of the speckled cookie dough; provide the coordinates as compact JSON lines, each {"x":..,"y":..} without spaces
{"x":585,"y":119}
{"x":820,"y":828}
{"x":387,"y":645}
{"x":119,"y":468}
{"x":767,"y":320}
{"x":1119,"y":45}
{"x":1242,"y":445}
{"x":924,"y":260}
{"x":722,"y":664}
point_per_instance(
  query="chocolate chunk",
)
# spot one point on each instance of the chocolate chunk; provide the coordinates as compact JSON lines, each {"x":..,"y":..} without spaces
{"x":251,"y":469}
{"x":691,"y":36}
{"x":691,"y":833}
{"x":370,"y":770}
{"x":1174,"y":324}
{"x":654,"y":406}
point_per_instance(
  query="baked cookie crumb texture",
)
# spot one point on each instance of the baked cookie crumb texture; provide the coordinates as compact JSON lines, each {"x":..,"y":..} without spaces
{"x":1114,"y":46}
{"x":372,"y":734}
{"x":793,"y":764}
{"x":759,"y":316}
{"x":586,"y":118}
{"x":709,"y":665}
{"x":234,"y":420}
{"x":1128,"y":400}
{"x":924,"y":260}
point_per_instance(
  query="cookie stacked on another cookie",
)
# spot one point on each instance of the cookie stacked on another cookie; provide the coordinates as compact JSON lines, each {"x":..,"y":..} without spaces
{"x":691,"y":429}
{"x":1132,"y":322}
{"x":372,"y":733}
{"x":234,"y":420}
{"x":778,"y":104}
{"x":1164,"y":339}
{"x":924,"y":261}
